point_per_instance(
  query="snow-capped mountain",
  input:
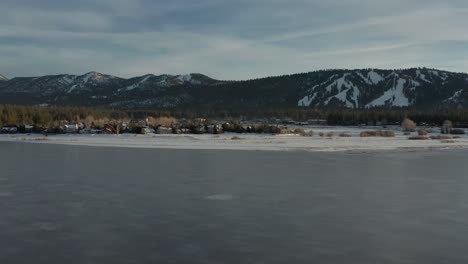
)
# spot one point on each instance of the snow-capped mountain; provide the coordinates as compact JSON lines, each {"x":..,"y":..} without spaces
{"x":383,"y":88}
{"x":354,"y":89}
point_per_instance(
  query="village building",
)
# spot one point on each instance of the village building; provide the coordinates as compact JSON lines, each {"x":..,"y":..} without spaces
{"x":71,"y":128}
{"x":164,"y":130}
{"x":9,"y":130}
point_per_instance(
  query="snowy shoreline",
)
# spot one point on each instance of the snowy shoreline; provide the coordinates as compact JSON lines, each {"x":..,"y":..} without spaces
{"x":248,"y":141}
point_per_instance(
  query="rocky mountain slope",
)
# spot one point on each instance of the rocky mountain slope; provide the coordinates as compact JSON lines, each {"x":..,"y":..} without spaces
{"x":357,"y":89}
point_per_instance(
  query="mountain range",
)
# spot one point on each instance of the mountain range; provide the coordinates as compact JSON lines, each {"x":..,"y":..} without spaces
{"x":419,"y":88}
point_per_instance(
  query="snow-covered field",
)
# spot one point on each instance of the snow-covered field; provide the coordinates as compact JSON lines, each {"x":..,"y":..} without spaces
{"x":249,"y":141}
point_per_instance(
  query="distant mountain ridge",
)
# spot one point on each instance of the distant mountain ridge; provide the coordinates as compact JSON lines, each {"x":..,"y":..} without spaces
{"x":3,"y":78}
{"x":349,"y":89}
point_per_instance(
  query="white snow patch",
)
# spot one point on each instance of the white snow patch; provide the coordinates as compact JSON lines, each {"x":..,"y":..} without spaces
{"x":455,"y":96}
{"x":436,"y":73}
{"x":332,"y":77}
{"x":414,"y":84}
{"x":185,"y":77}
{"x":339,"y":83}
{"x":344,"y":86}
{"x":136,"y":85}
{"x":364,"y":78}
{"x":307,"y":100}
{"x":67,"y":80}
{"x":87,"y":77}
{"x":394,"y":96}
{"x":94,"y":76}
{"x":421,"y":76}
{"x":375,"y":77}
{"x":71,"y":89}
{"x":163,"y":81}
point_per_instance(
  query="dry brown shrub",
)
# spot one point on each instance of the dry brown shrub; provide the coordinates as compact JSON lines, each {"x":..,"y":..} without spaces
{"x":308,"y":134}
{"x":377,"y":133}
{"x":236,"y":138}
{"x":408,"y":125}
{"x":447,"y":141}
{"x":418,"y":138}
{"x":321,"y":134}
{"x":441,"y":137}
{"x":101,"y":122}
{"x":88,"y":121}
{"x":388,"y":134}
{"x":422,"y":132}
{"x":162,"y":121}
{"x":299,"y":131}
{"x":345,"y":134}
{"x":42,"y":139}
{"x":457,"y":131}
{"x":366,"y":134}
{"x":330,"y":134}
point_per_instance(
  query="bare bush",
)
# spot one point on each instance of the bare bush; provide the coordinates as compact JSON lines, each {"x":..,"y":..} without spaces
{"x":88,"y":121}
{"x":440,"y":137}
{"x":321,"y":134}
{"x":418,"y":138}
{"x":236,"y":138}
{"x":368,"y":134}
{"x":101,"y":122}
{"x":457,"y":131}
{"x":422,"y":132}
{"x":388,"y":134}
{"x":299,"y":131}
{"x":377,"y":133}
{"x":345,"y":134}
{"x":408,"y":125}
{"x":447,"y":141}
{"x":162,"y":121}
{"x":330,"y":134}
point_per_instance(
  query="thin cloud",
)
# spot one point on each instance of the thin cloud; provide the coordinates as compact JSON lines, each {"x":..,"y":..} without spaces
{"x":229,"y":39}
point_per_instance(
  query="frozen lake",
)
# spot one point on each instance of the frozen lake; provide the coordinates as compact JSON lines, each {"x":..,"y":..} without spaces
{"x":79,"y":204}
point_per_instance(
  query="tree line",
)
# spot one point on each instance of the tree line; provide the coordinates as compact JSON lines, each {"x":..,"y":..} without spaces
{"x":54,"y":115}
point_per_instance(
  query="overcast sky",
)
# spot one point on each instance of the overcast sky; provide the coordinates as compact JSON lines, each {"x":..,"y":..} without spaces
{"x":229,"y":39}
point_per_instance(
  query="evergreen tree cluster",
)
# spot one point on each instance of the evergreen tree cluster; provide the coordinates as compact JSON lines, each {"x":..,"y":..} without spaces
{"x":39,"y":116}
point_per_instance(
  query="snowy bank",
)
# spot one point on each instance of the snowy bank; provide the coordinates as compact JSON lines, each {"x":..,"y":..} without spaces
{"x":248,"y":141}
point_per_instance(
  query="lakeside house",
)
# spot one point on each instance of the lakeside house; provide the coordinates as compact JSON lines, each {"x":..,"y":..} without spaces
{"x":164,"y":130}
{"x":317,"y":122}
{"x":71,"y":128}
{"x":10,"y":129}
{"x":109,"y":129}
{"x":214,"y":129}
